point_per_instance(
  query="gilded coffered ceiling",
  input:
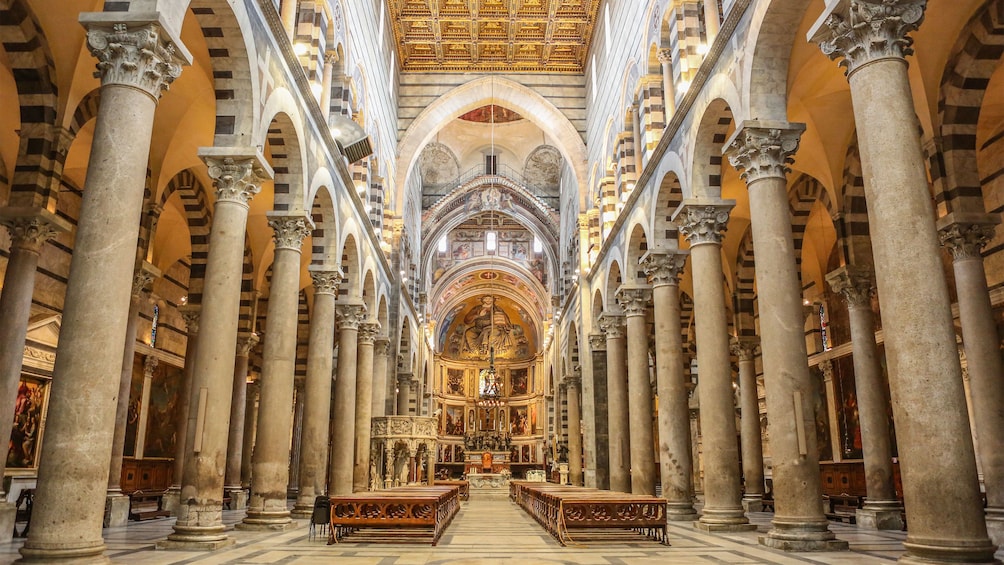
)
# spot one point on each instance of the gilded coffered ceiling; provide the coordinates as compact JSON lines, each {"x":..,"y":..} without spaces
{"x":550,"y":36}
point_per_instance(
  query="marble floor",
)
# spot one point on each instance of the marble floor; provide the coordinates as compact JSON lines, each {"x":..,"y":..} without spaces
{"x":488,"y":532}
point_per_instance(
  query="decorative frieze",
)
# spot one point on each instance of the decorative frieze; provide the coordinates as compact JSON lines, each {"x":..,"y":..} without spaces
{"x":142,"y":56}
{"x":763,"y":149}
{"x":865,"y":31}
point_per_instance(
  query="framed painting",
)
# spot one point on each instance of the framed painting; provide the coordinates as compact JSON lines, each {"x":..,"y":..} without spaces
{"x":26,"y":433}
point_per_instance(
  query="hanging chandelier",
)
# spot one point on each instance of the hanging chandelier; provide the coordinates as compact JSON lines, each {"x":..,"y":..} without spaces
{"x":491,"y":391}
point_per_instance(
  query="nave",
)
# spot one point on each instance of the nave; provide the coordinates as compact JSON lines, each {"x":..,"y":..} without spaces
{"x":487,"y":532}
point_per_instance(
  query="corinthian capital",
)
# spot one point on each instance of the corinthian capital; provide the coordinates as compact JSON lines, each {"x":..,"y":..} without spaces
{"x":381,"y":345}
{"x":137,"y":54}
{"x":574,"y":378}
{"x":326,"y":279}
{"x":862,"y":31}
{"x":31,"y":227}
{"x":612,"y":325}
{"x":965,"y":235}
{"x":144,"y":277}
{"x":597,"y":342}
{"x":634,"y":299}
{"x":246,"y":343}
{"x":745,"y":347}
{"x":703,"y":221}
{"x":237,"y":172}
{"x":350,"y":315}
{"x":368,"y":332}
{"x":763,"y":149}
{"x":190,"y":314}
{"x":664,"y":267}
{"x":664,"y":56}
{"x":289,"y":230}
{"x":856,"y":284}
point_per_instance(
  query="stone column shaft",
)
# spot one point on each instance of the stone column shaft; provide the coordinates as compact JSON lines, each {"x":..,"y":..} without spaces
{"x":238,"y":407}
{"x":403,"y":394}
{"x":287,"y":13}
{"x":937,"y":460}
{"x":598,"y":351}
{"x":882,"y":510}
{"x":317,"y":389}
{"x":572,"y":383}
{"x":250,"y":430}
{"x":330,"y":58}
{"x":237,"y":172}
{"x":635,"y":300}
{"x":762,"y":150}
{"x":190,"y":314}
{"x":380,"y":347}
{"x":712,"y":20}
{"x":364,"y":405}
{"x":668,"y":91}
{"x":270,"y":461}
{"x":136,"y":61}
{"x":966,"y":237}
{"x":343,"y":432}
{"x":745,"y":348}
{"x":149,"y":366}
{"x":675,"y":461}
{"x":702,"y":222}
{"x":617,"y":403}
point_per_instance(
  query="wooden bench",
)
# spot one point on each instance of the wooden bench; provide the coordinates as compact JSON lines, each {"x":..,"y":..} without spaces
{"x":843,"y":507}
{"x":147,"y":505}
{"x":464,"y":486}
{"x":561,"y":508}
{"x":414,"y":513}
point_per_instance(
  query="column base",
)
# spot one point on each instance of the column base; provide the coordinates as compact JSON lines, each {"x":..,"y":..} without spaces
{"x":753,"y":503}
{"x":171,"y":500}
{"x":995,"y":525}
{"x":303,"y":510}
{"x":724,"y":520}
{"x":238,"y":497}
{"x":880,"y":515}
{"x":788,"y":534}
{"x":60,"y":553}
{"x":116,"y":510}
{"x":937,"y":551}
{"x":8,"y":513}
{"x":267,"y":522}
{"x":194,"y":545}
{"x":680,"y":512}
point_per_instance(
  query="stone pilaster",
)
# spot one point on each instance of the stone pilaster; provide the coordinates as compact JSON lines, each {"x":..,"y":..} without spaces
{"x":349,"y":314}
{"x":965,"y":235}
{"x":746,"y":349}
{"x":762,"y":150}
{"x":136,"y":61}
{"x":270,"y":462}
{"x":613,"y":325}
{"x":237,"y":173}
{"x":703,"y":222}
{"x":598,"y":354}
{"x":635,"y":300}
{"x":676,"y":465}
{"x":364,"y":404}
{"x":881,"y":509}
{"x":937,"y":460}
{"x":320,"y":349}
{"x":238,"y":409}
{"x":573,"y":384}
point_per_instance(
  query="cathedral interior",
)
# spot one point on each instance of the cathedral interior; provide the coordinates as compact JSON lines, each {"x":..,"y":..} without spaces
{"x":741,"y":255}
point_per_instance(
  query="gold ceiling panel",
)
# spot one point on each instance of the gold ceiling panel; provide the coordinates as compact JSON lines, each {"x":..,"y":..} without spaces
{"x":549,"y":36}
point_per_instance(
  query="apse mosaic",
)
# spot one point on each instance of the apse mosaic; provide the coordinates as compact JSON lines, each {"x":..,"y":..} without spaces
{"x":485,"y":322}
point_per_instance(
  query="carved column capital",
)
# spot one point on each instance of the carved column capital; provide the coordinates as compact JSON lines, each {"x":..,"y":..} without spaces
{"x":634,"y":299}
{"x":144,"y":277}
{"x":141,"y":55}
{"x":149,"y":366}
{"x":826,"y":367}
{"x":664,"y":267}
{"x":665,"y":56}
{"x":368,"y":332}
{"x":326,"y":279}
{"x":863,"y":31}
{"x":30,"y":227}
{"x":330,"y":57}
{"x":404,"y":378}
{"x":350,"y":315}
{"x":612,"y":325}
{"x":745,"y":347}
{"x":289,"y":230}
{"x":856,"y":284}
{"x":703,"y":222}
{"x":597,"y":342}
{"x":381,"y":345}
{"x":966,"y":240}
{"x":763,"y":149}
{"x":246,"y":343}
{"x":190,"y":314}
{"x":237,"y":179}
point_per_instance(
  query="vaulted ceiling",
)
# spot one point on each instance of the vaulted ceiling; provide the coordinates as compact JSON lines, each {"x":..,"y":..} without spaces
{"x":549,"y":36}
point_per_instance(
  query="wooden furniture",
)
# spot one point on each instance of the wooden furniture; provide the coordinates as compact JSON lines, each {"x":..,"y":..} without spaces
{"x":413,"y":512}
{"x":845,"y":488}
{"x":464,"y":486}
{"x":147,"y":505}
{"x":560,"y":508}
{"x":843,"y":507}
{"x":146,"y":474}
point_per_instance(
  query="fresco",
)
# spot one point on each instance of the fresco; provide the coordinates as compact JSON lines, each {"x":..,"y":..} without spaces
{"x":485,"y":323}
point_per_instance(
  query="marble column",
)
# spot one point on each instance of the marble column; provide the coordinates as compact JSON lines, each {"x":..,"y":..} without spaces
{"x":250,"y":430}
{"x":937,"y":462}
{"x":380,"y":347}
{"x":142,"y":424}
{"x":702,"y":222}
{"x":668,"y":91}
{"x":29,"y":229}
{"x":762,"y":150}
{"x":293,"y":475}
{"x":676,"y":464}
{"x":190,"y":314}
{"x":637,"y":139}
{"x":635,"y":299}
{"x":617,"y":402}
{"x":349,"y":314}
{"x":825,"y":367}
{"x":573,"y":382}
{"x":598,"y":352}
{"x":270,"y":461}
{"x":235,"y":440}
{"x":364,"y":405}
{"x":117,"y":503}
{"x":745,"y":349}
{"x":317,"y":389}
{"x":136,"y":61}
{"x":388,"y":471}
{"x":965,"y":236}
{"x":330,"y":58}
{"x":287,"y":13}
{"x":238,"y":173}
{"x":881,"y":511}
{"x":403,"y":394}
{"x":712,"y":20}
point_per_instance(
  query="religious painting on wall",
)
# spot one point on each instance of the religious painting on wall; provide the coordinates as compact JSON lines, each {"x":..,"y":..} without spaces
{"x":454,"y":424}
{"x":518,"y":422}
{"x":162,"y":414}
{"x":135,"y":398}
{"x":519,"y":381}
{"x":455,"y":381}
{"x":533,"y":418}
{"x":819,"y":406}
{"x":484,"y":324}
{"x":458,"y":453}
{"x":23,"y":449}
{"x":527,"y":454}
{"x":848,"y":419}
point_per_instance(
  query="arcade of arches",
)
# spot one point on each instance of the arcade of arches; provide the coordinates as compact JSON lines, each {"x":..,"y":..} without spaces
{"x":742,"y":254}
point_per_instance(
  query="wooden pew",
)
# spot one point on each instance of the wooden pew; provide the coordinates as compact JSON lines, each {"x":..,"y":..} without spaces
{"x":414,"y":512}
{"x":561,"y":508}
{"x":464,"y":486}
{"x":147,"y":505}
